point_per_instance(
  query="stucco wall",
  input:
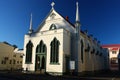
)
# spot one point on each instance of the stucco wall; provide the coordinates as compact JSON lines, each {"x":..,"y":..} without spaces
{"x":7,"y":57}
{"x":47,"y":36}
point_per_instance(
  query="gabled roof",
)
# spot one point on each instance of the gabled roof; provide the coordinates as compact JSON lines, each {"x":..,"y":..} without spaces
{"x":111,"y":46}
{"x":53,"y":10}
{"x":114,"y":49}
{"x":6,"y":43}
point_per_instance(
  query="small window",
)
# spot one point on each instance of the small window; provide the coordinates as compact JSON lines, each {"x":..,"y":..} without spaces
{"x":2,"y":62}
{"x":18,"y":62}
{"x":52,"y":27}
{"x":113,"y":52}
{"x":21,"y":56}
{"x":10,"y":62}
{"x":14,"y":61}
{"x":14,"y":55}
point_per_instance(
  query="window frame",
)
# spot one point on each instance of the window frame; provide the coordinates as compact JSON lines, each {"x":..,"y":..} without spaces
{"x":52,"y":27}
{"x":54,"y":53}
{"x":29,"y":49}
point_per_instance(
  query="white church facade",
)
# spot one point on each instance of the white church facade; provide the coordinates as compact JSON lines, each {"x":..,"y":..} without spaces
{"x":57,"y":42}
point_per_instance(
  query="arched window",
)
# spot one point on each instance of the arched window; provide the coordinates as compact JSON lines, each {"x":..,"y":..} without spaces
{"x":53,"y":26}
{"x":97,"y":52}
{"x":82,"y":49}
{"x":88,"y":48}
{"x":54,"y":54}
{"x":93,"y":50}
{"x":29,"y":52}
{"x":41,"y":47}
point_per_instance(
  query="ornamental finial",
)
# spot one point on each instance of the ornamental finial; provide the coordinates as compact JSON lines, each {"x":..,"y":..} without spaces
{"x":52,"y":4}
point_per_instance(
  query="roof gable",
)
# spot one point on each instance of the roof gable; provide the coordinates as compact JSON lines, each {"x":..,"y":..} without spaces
{"x":111,"y":46}
{"x":55,"y":18}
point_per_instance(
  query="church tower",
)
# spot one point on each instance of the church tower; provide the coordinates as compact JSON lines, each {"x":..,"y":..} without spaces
{"x":77,"y":36}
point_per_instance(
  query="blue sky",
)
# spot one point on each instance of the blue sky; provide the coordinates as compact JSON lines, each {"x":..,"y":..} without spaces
{"x":100,"y":17}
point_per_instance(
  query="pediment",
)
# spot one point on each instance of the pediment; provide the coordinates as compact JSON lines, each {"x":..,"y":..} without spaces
{"x":54,"y":18}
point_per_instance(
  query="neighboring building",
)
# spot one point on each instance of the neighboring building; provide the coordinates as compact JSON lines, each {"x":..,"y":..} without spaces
{"x":113,"y":55}
{"x":9,"y":59}
{"x":18,"y":58}
{"x":58,"y":46}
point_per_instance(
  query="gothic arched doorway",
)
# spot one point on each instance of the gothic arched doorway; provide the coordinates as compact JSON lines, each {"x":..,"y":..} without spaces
{"x":41,"y":51}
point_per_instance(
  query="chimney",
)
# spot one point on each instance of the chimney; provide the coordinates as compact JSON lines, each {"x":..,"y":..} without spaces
{"x":67,"y":18}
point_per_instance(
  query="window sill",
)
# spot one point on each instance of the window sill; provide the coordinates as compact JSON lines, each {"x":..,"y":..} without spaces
{"x":55,"y":63}
{"x":28,"y":63}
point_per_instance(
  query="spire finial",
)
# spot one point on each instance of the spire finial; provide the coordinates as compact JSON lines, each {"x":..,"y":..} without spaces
{"x":30,"y":29}
{"x":52,"y":4}
{"x":77,"y":12}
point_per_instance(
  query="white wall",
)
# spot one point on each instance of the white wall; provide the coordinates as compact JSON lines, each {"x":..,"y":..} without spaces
{"x":47,"y":36}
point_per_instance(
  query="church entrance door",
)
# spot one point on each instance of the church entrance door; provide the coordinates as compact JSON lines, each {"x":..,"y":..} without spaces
{"x":40,"y":62}
{"x":41,"y":50}
{"x":37,"y":66}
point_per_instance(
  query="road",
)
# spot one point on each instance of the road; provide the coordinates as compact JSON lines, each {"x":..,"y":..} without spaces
{"x":60,"y":78}
{"x":113,"y":75}
{"x":6,"y":79}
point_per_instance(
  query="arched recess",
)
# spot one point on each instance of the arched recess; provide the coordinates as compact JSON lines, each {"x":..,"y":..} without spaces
{"x":54,"y":53}
{"x":29,"y":47}
{"x":41,"y":51}
{"x":52,"y":27}
{"x":82,"y":51}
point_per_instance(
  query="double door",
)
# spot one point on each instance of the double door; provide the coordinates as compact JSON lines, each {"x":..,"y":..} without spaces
{"x":40,"y":62}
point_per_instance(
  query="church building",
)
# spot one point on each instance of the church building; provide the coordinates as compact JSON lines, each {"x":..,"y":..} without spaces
{"x":58,"y":47}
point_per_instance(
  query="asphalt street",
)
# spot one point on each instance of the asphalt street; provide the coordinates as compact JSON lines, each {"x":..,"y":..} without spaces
{"x":111,"y":75}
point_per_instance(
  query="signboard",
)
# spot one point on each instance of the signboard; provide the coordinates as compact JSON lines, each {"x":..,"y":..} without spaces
{"x":72,"y":65}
